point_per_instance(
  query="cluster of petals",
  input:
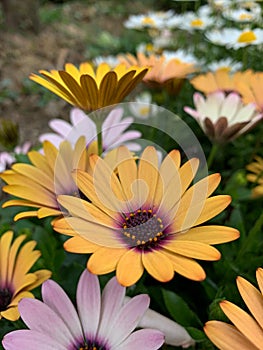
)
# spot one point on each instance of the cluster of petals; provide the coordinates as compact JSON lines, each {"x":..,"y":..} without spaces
{"x":256,"y":176}
{"x":91,"y":89}
{"x":16,"y":282}
{"x":236,"y":38}
{"x":100,"y":322}
{"x":38,"y":184}
{"x":114,"y":130}
{"x":168,"y":74}
{"x":221,"y":80}
{"x":223,"y":117}
{"x":251,"y":89}
{"x":246,"y":333}
{"x":242,"y":15}
{"x":144,"y":216}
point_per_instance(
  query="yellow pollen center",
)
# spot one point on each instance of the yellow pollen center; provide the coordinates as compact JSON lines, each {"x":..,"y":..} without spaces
{"x":144,"y":111}
{"x":224,"y":69}
{"x":245,"y":16}
{"x":148,"y":21}
{"x":247,"y":37}
{"x":149,"y":47}
{"x":197,"y":22}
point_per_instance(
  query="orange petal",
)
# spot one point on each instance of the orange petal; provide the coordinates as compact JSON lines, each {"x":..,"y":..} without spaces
{"x":191,"y":249}
{"x":80,"y":245}
{"x":105,"y":260}
{"x":158,"y":265}
{"x":130,"y":268}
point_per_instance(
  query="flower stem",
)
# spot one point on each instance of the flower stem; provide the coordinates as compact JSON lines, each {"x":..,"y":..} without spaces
{"x":212,"y":154}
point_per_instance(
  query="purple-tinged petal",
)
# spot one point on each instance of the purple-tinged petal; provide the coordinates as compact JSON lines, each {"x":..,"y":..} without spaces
{"x":132,"y":146}
{"x":114,"y":117}
{"x":53,"y":138}
{"x":146,"y":339}
{"x":55,"y":297}
{"x":41,"y":318}
{"x":111,"y":303}
{"x":128,"y":318}
{"x":129,"y":135}
{"x":116,"y":129}
{"x":30,"y":340}
{"x":60,"y":126}
{"x":76,"y":115}
{"x":89,"y":303}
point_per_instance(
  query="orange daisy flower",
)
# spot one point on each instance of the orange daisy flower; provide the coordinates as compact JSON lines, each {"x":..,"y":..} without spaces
{"x":141,"y":217}
{"x":15,"y":280}
{"x":38,"y":184}
{"x":168,"y":74}
{"x":256,"y":176}
{"x":251,"y":90}
{"x":220,"y":80}
{"x":89,"y":89}
{"x":247,"y":332}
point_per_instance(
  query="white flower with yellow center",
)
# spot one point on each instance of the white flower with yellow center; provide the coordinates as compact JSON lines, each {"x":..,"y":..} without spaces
{"x":112,"y":61}
{"x":192,"y":21}
{"x":154,"y":20}
{"x":242,"y":15}
{"x":227,"y":65}
{"x":144,"y":108}
{"x":181,"y":56}
{"x":236,"y":38}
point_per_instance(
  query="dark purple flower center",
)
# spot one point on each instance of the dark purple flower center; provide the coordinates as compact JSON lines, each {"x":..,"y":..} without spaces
{"x":92,"y":347}
{"x":5,"y":298}
{"x":143,"y":229}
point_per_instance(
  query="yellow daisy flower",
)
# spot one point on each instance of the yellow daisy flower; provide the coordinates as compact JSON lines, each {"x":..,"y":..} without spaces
{"x":220,"y":80}
{"x":251,"y":90}
{"x":89,"y":89}
{"x":144,"y":217}
{"x":164,"y":73}
{"x":38,"y":184}
{"x":247,"y":332}
{"x":15,"y":280}
{"x":256,"y":176}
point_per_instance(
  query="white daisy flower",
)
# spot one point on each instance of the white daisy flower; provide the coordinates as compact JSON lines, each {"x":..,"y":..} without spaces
{"x":191,"y":21}
{"x":242,"y":15}
{"x":155,"y":20}
{"x":181,"y":56}
{"x":143,"y":108}
{"x":236,"y":38}
{"x":226,"y":64}
{"x":112,"y":61}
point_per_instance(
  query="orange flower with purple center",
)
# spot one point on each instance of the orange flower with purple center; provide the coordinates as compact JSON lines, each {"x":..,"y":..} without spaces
{"x":144,"y":217}
{"x":91,"y":89}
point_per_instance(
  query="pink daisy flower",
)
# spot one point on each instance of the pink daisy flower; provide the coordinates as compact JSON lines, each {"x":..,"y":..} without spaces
{"x":100,"y":322}
{"x":114,"y":130}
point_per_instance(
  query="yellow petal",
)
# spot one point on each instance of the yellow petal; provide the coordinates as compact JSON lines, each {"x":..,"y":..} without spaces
{"x":5,"y":243}
{"x":191,"y":249}
{"x":107,"y":89}
{"x":91,"y":92}
{"x":11,"y":314}
{"x":104,"y":260}
{"x":80,"y":245}
{"x":227,"y":337}
{"x":158,"y":265}
{"x":244,"y":323}
{"x":259,"y":275}
{"x":129,"y":268}
{"x":73,"y":87}
{"x":41,"y":275}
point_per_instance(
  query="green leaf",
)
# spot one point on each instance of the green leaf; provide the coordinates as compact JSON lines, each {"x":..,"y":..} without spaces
{"x":179,"y":309}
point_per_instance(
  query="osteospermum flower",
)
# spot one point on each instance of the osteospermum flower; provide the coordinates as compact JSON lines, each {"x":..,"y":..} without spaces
{"x":256,"y":176}
{"x":236,"y":38}
{"x":247,"y":331}
{"x":145,"y":217}
{"x":91,"y":89}
{"x":100,"y":322}
{"x":251,"y":89}
{"x":38,"y":184}
{"x":113,"y":130}
{"x":16,"y":281}
{"x":220,"y":80}
{"x":223,"y":117}
{"x":169,"y":74}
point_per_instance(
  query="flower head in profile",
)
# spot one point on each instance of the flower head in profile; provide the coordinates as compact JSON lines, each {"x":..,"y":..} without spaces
{"x":164,"y":73}
{"x":223,"y":117}
{"x":246,"y":333}
{"x":251,"y":89}
{"x":220,"y":80}
{"x":38,"y":184}
{"x":144,"y":217}
{"x":236,"y":38}
{"x":113,"y":127}
{"x":91,"y":89}
{"x":100,"y":322}
{"x":256,"y":176}
{"x":16,"y":282}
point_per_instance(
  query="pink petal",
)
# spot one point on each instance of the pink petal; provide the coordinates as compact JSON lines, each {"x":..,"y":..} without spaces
{"x":77,"y":115}
{"x":115,"y":129}
{"x":112,"y":301}
{"x":55,"y":297}
{"x":129,"y":135}
{"x":114,"y":117}
{"x":60,"y":126}
{"x":128,"y":318}
{"x":146,"y":339}
{"x":51,"y":137}
{"x":31,"y":340}
{"x":89,"y":303}
{"x":41,"y":318}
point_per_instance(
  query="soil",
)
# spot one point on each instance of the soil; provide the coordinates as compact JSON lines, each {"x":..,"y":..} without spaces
{"x":65,"y":39}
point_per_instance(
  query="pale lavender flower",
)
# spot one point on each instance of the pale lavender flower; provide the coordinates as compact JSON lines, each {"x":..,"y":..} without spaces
{"x":100,"y":322}
{"x":114,"y":130}
{"x":8,"y":158}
